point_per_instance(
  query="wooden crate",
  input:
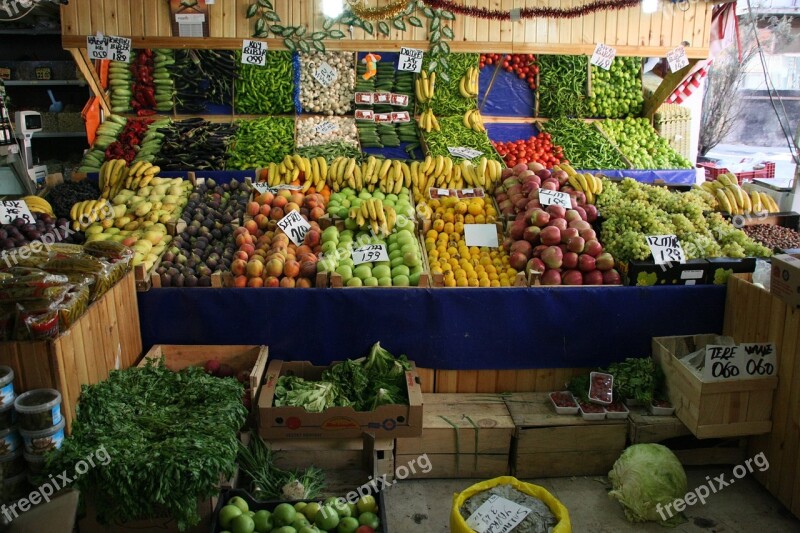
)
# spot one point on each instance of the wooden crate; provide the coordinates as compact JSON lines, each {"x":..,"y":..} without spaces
{"x":672,"y":433}
{"x":520,"y":380}
{"x":104,"y":338}
{"x":547,"y":444}
{"x":754,"y":315}
{"x":478,"y":445}
{"x":713,"y":410}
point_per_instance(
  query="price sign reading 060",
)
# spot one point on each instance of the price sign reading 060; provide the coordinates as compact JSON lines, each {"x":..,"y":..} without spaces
{"x":295,"y":227}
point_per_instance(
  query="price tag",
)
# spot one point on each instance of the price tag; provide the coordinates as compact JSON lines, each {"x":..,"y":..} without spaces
{"x":722,"y":362}
{"x":410,"y":59}
{"x":497,"y":515}
{"x":548,"y":197}
{"x":481,"y":235}
{"x":262,"y":187}
{"x":119,"y":49}
{"x":254,"y":52}
{"x":11,"y":210}
{"x":97,"y":46}
{"x":326,"y":127}
{"x":383,"y":117}
{"x":470,"y":193}
{"x":463,"y":152}
{"x":381,"y":98}
{"x":295,"y":227}
{"x":288,"y":187}
{"x":365,"y":114}
{"x":760,"y":359}
{"x":603,"y":56}
{"x":434,"y":193}
{"x":677,"y":59}
{"x":399,"y":99}
{"x":363,"y":98}
{"x":665,"y":249}
{"x":369,"y":254}
{"x":401,"y":116}
{"x":326,"y":74}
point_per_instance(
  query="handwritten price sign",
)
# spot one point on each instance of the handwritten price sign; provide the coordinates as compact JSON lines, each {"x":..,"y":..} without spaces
{"x":326,"y":127}
{"x":722,"y":362}
{"x":410,"y":59}
{"x":497,"y":515}
{"x":666,"y":249}
{"x":677,"y":59}
{"x":326,"y":74}
{"x":603,"y":56}
{"x":369,"y":254}
{"x":548,"y":197}
{"x":254,"y":53}
{"x":14,"y":209}
{"x":760,"y":359}
{"x":119,"y":49}
{"x":97,"y":46}
{"x":295,"y":227}
{"x":464,"y":152}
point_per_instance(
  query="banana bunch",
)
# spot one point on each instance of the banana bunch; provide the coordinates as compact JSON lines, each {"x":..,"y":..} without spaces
{"x":139,"y":176}
{"x":427,"y":121}
{"x":380,"y":218}
{"x":726,"y":195}
{"x":37,"y":204}
{"x":474,"y":121}
{"x":441,"y":172}
{"x":309,"y":172}
{"x":588,"y":184}
{"x":113,"y":174}
{"x":468,"y":86}
{"x":424,"y":87}
{"x":89,"y":211}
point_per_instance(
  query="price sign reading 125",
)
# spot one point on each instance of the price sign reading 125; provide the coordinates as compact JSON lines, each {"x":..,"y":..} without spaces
{"x":369,"y":254}
{"x":666,"y":249}
{"x":295,"y":227}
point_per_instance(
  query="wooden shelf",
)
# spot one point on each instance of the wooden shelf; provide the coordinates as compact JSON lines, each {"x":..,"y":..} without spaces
{"x":54,"y":134}
{"x":27,"y":83}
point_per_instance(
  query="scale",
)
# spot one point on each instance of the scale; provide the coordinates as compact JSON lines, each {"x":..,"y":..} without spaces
{"x":28,"y":123}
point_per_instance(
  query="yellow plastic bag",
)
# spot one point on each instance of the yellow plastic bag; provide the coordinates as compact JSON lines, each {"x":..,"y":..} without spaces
{"x":459,"y":525}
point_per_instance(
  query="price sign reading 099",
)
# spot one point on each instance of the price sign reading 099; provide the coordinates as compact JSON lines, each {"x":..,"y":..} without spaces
{"x":295,"y":226}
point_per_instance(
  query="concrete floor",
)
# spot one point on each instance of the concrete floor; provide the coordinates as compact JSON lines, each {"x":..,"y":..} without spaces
{"x":424,"y":506}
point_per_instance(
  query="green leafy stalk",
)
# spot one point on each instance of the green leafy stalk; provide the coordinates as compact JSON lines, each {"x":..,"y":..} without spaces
{"x":268,"y":482}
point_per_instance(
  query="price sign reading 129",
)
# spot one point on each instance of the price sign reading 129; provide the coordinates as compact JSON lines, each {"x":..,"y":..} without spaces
{"x":295,"y":227}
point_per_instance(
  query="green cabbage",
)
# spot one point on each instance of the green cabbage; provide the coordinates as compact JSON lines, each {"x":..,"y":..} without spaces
{"x":644,"y":476}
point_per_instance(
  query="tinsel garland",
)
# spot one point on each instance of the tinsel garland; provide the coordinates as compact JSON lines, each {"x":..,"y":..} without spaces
{"x":533,"y":12}
{"x":377,"y":13}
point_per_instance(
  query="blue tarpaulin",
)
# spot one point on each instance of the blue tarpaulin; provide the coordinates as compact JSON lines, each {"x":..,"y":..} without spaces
{"x":509,"y":96}
{"x":514,"y":328}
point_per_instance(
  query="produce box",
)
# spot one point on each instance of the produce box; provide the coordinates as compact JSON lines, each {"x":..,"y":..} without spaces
{"x":165,"y":524}
{"x":104,"y":338}
{"x":387,"y":421}
{"x":720,"y":409}
{"x":785,"y":281}
{"x":722,"y":267}
{"x":643,"y":273}
{"x":463,"y":435}
{"x":547,"y":444}
{"x":766,"y":171}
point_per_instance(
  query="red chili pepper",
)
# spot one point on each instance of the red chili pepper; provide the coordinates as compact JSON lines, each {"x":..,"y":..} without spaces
{"x":145,"y":112}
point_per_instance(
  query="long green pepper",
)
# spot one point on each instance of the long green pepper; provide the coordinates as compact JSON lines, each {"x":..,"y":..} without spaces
{"x":584,"y":145}
{"x":266,"y":90}
{"x":260,"y":142}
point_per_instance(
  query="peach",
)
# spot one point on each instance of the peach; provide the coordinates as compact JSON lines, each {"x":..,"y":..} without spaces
{"x":317,"y":213}
{"x":274,"y":267}
{"x":255,"y":269}
{"x":303,"y":283}
{"x":265,"y":198}
{"x":279,"y":201}
{"x":297,"y":198}
{"x":249,"y":249}
{"x":287,"y":283}
{"x":238,"y":267}
{"x":284,"y":193}
{"x":276,"y":213}
{"x":302,"y":251}
{"x":253,"y":208}
{"x":240,"y":281}
{"x":251,"y":226}
{"x":291,"y":268}
{"x":261,"y":221}
{"x":255,"y":282}
{"x":291,"y":206}
{"x":240,"y":255}
{"x":239,"y":230}
{"x":265,"y":209}
{"x":271,"y":281}
{"x":312,"y":238}
{"x":244,"y":238}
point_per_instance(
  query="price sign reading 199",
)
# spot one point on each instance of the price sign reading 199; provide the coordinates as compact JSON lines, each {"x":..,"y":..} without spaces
{"x":295,"y":226}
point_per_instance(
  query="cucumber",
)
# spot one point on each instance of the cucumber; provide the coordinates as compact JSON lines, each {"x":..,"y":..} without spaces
{"x":120,"y":109}
{"x":165,"y":83}
{"x":161,"y":75}
{"x":118,"y":119}
{"x":119,"y":83}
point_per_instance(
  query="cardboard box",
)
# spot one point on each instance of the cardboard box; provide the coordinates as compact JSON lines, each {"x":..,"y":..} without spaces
{"x":386,"y":422}
{"x":785,"y":282}
{"x":644,"y":273}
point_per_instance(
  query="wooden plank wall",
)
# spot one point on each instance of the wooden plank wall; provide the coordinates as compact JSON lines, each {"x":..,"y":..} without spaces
{"x":630,"y":30}
{"x":496,"y":381}
{"x":754,"y":315}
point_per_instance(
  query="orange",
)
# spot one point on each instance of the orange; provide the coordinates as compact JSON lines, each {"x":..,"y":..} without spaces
{"x":462,"y":282}
{"x":480,"y":219}
{"x":475,"y":209}
{"x":438,"y":225}
{"x":460,"y":218}
{"x":469,"y":219}
{"x":494,"y":283}
{"x":432,"y":234}
{"x":484,"y":283}
{"x":461,"y":207}
{"x":449,"y":283}
{"x":458,"y":227}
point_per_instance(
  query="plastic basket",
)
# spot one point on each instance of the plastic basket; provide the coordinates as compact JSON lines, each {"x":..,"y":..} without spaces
{"x":713,"y":171}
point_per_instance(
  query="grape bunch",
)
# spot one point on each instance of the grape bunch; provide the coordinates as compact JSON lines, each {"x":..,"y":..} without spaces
{"x":634,"y":210}
{"x":641,"y":144}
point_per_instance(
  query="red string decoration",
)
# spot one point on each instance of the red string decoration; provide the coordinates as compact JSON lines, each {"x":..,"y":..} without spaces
{"x":533,"y":12}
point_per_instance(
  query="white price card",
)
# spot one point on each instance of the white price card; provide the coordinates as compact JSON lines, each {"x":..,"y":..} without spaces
{"x":254,"y":52}
{"x":463,"y":152}
{"x":497,"y":515}
{"x":369,"y":254}
{"x":363,"y":98}
{"x":470,"y":193}
{"x":603,"y":56}
{"x":383,"y":117}
{"x":365,"y":114}
{"x":722,"y":363}
{"x":410,"y":59}
{"x":666,"y":249}
{"x":11,"y":210}
{"x":481,"y":235}
{"x":262,"y":187}
{"x":286,"y":186}
{"x":760,"y":359}
{"x":326,"y":127}
{"x":326,"y":74}
{"x":119,"y":49}
{"x":401,"y":116}
{"x":295,"y":226}
{"x":381,"y":98}
{"x":677,"y":59}
{"x":97,"y":46}
{"x":548,"y":197}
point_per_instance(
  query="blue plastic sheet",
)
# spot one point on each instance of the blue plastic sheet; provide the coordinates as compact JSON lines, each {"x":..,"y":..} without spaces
{"x":670,"y":177}
{"x":509,"y":96}
{"x":500,"y":132}
{"x":395,"y":153}
{"x":438,"y":328}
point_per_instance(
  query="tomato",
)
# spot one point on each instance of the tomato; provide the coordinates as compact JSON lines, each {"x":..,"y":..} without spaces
{"x":489,"y":61}
{"x":365,"y":529}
